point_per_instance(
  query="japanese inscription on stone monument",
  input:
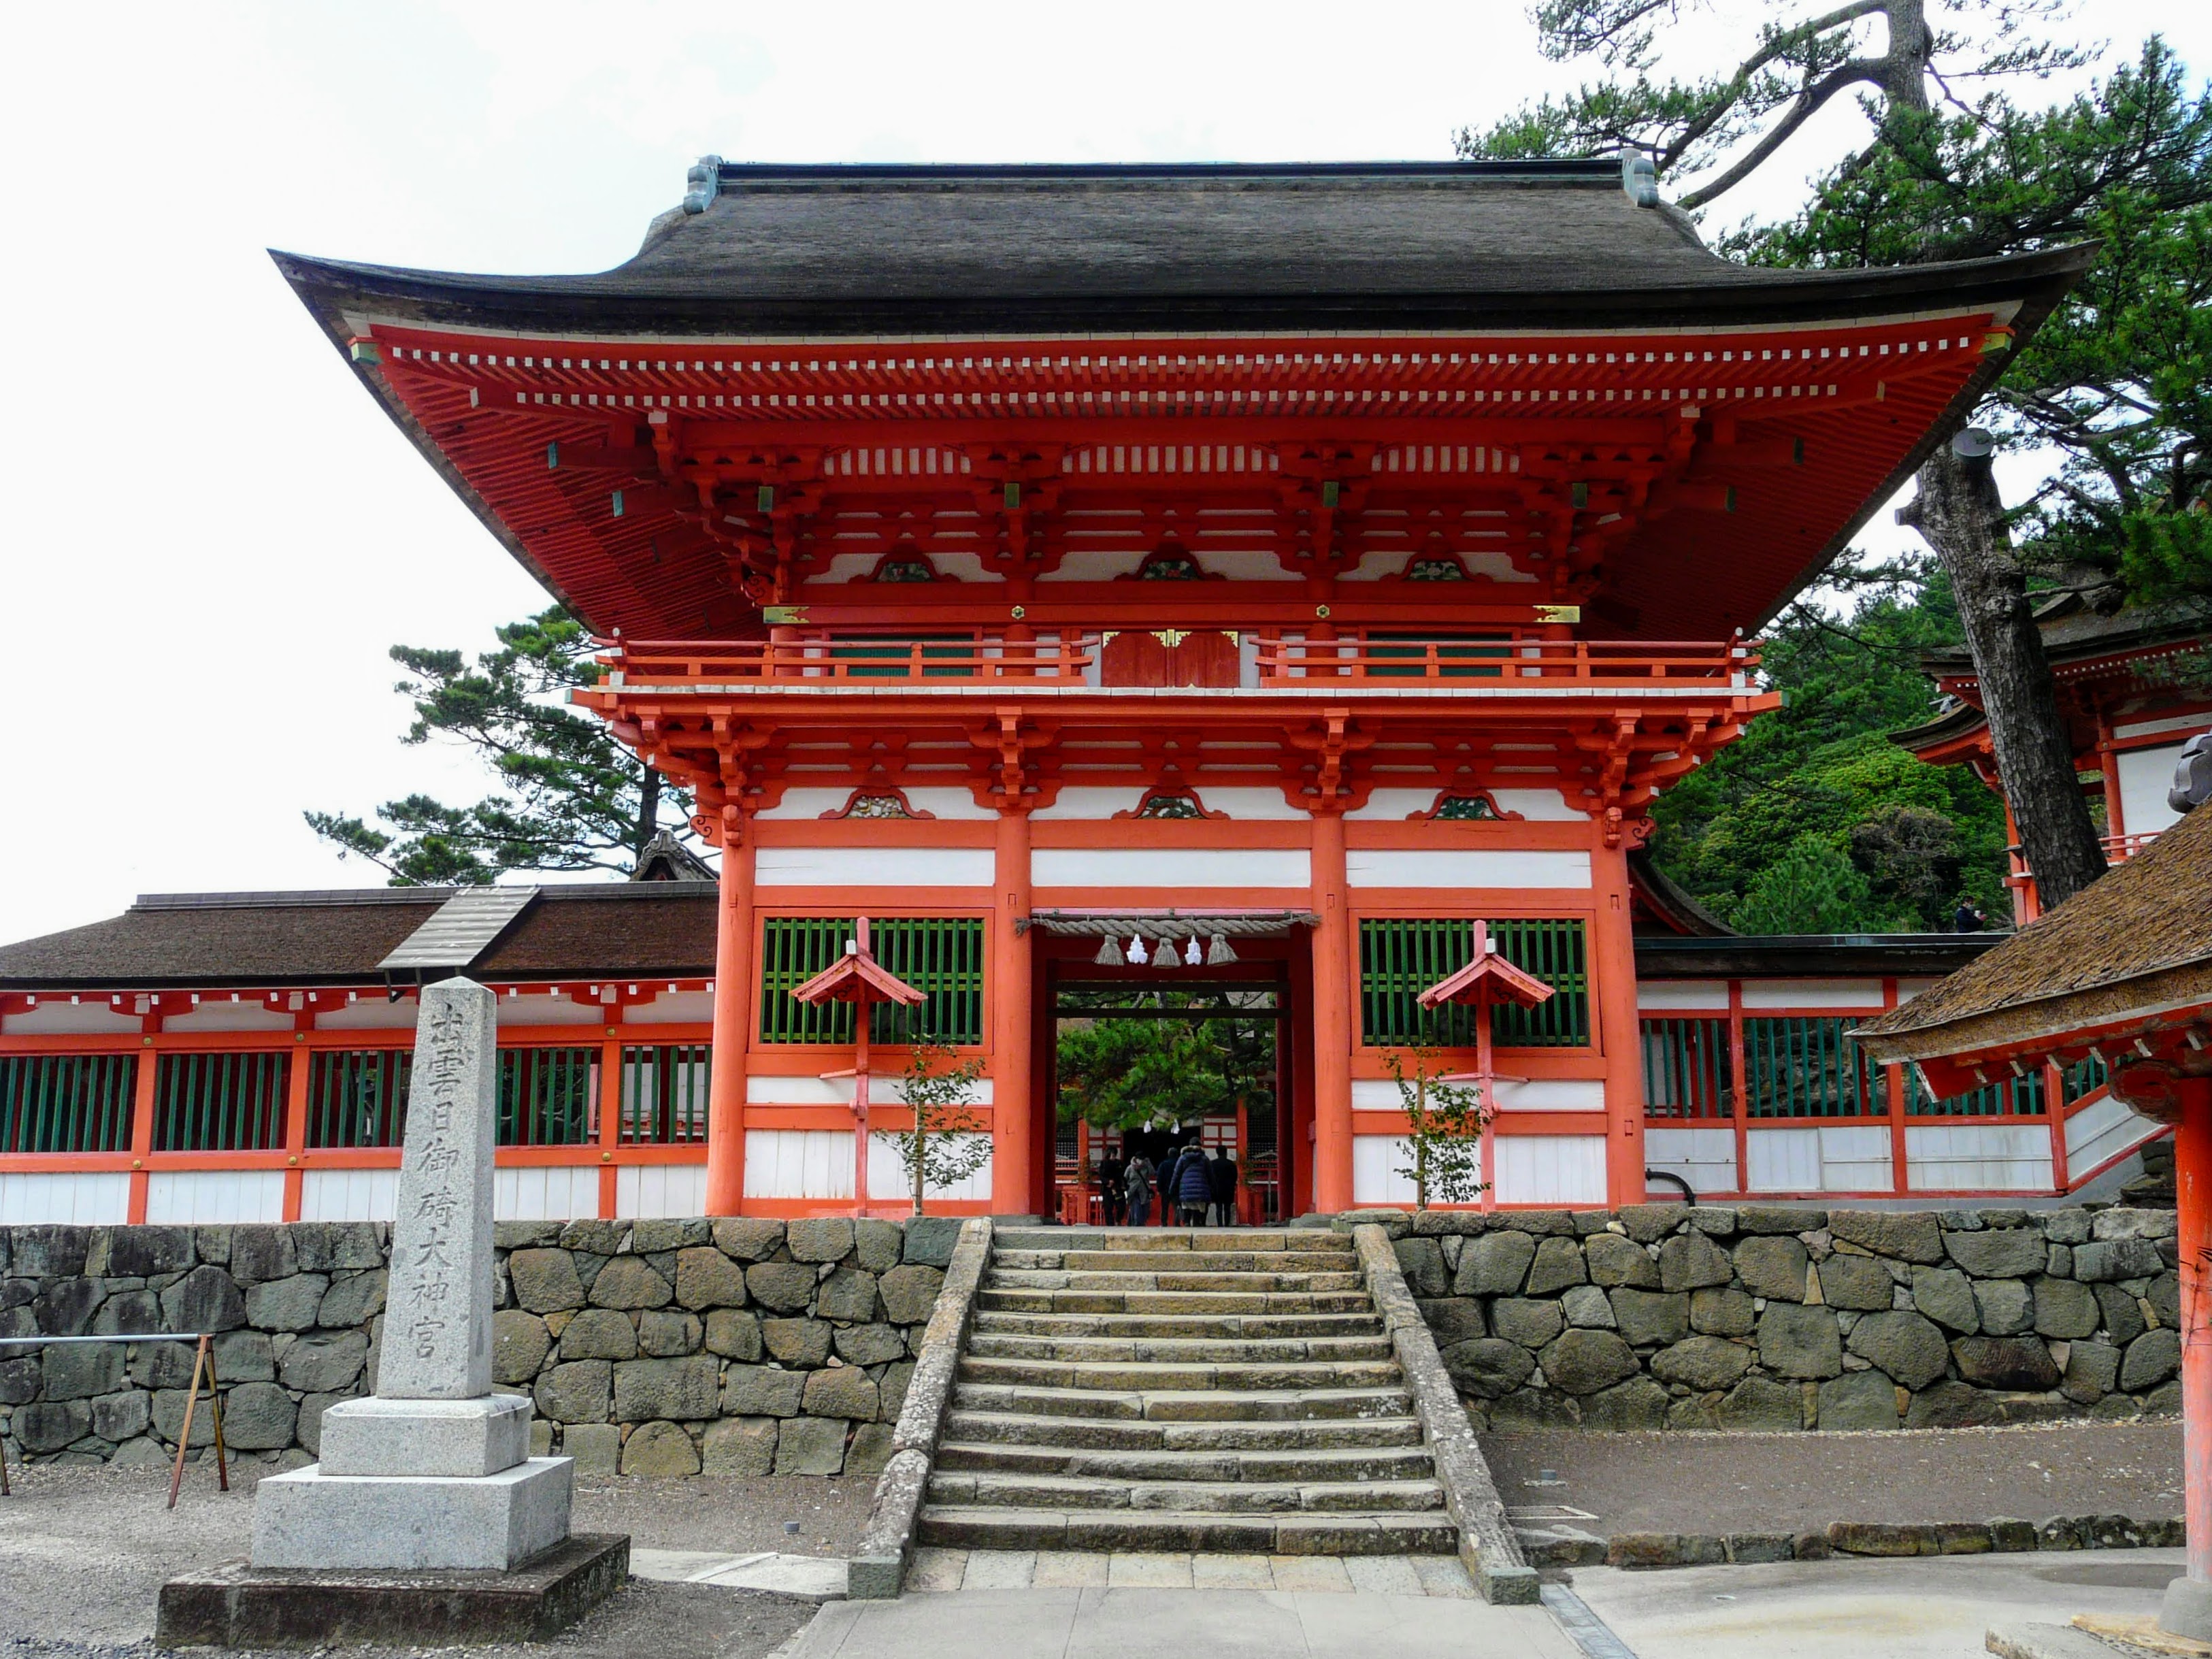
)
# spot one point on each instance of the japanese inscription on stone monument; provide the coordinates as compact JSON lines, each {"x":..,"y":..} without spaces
{"x":437,"y":1322}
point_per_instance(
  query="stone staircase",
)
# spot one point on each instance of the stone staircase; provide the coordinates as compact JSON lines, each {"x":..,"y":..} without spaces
{"x":1181,"y":1391}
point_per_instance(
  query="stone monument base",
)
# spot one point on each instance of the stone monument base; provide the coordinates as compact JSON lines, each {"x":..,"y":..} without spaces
{"x":238,"y":1606}
{"x":465,"y":1439}
{"x":310,"y":1520}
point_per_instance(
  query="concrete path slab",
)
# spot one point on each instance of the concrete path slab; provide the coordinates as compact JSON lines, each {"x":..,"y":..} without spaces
{"x":1221,"y":1624}
{"x":811,"y":1576}
{"x":1937,"y":1607}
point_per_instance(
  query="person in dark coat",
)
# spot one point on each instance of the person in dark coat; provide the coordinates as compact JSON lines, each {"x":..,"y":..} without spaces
{"x":1113,"y":1198}
{"x":1221,"y":1178}
{"x":1194,"y":1187}
{"x":1137,"y":1183}
{"x":1170,"y":1163}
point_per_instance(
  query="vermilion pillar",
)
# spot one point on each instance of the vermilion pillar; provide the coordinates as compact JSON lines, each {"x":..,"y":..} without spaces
{"x":1012,"y":1179}
{"x":733,"y":984}
{"x":1331,"y":1019}
{"x":1613,"y":948}
{"x":2188,"y":1608}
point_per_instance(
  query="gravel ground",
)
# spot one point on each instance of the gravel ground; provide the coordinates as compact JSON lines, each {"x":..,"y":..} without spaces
{"x":1718,"y":1483}
{"x":84,"y":1551}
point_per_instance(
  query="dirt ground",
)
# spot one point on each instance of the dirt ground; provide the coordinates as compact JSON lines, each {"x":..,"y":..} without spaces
{"x":84,"y":1551}
{"x":1719,"y":1482}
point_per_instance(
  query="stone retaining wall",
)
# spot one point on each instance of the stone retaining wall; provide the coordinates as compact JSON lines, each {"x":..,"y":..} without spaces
{"x":650,"y":1347}
{"x":1668,"y":1315}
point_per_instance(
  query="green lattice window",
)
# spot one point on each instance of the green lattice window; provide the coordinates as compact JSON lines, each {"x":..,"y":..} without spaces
{"x":220,"y":1102}
{"x":66,"y":1102}
{"x":358,"y":1098}
{"x":1796,"y":1066}
{"x":940,"y":955}
{"x":1400,"y":957}
{"x":1687,"y":1072}
{"x":664,"y":1094}
{"x":2018,"y":1096}
{"x":545,"y":1096}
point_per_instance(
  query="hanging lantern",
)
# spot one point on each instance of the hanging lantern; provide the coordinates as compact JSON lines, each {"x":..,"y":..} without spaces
{"x":1109,"y":954}
{"x":1137,"y":957}
{"x":1190,"y":952}
{"x":1163,"y":953}
{"x":1219,"y":952}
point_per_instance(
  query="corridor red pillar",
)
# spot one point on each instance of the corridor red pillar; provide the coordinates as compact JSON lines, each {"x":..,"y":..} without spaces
{"x":733,"y":982}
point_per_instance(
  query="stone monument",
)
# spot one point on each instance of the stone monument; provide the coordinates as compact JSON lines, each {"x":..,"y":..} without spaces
{"x":426,"y":1522}
{"x":434,"y":1470}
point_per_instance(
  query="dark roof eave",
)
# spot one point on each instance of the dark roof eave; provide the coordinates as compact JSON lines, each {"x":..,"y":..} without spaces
{"x":2048,"y":1019}
{"x":598,"y":304}
{"x":1876,"y":955}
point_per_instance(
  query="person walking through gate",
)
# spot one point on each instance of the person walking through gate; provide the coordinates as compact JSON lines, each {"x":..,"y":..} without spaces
{"x":1194,"y":1186}
{"x":1170,"y":1167}
{"x":1137,"y":1184}
{"x":1113,"y":1197}
{"x":1221,"y":1176}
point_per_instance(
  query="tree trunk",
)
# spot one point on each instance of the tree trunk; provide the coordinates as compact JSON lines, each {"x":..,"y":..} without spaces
{"x":1959,"y":514}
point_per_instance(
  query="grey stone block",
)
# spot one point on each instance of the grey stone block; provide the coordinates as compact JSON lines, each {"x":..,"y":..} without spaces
{"x":1583,"y":1362}
{"x":1856,"y":1282}
{"x":205,"y":1299}
{"x":144,"y":1251}
{"x":1647,"y":1223}
{"x":592,"y":1236}
{"x":1615,"y":1260}
{"x":870,"y":1345}
{"x":1906,"y":1345}
{"x":78,"y":1370}
{"x":1488,"y":1367}
{"x":1584,"y":1305}
{"x":520,"y":1343}
{"x":1903,"y":1235}
{"x":2123,"y":1315}
{"x":1645,"y":1317}
{"x":1702,"y":1363}
{"x":2093,"y":1371}
{"x":1422,"y":1263}
{"x":260,"y":1252}
{"x":810,"y":1445}
{"x":784,"y":1287}
{"x":660,"y":1451}
{"x":733,"y":1334}
{"x":286,"y":1304}
{"x":124,"y":1416}
{"x":1557,"y":1264}
{"x":47,"y":1426}
{"x":1723,"y":1311}
{"x":259,"y":1417}
{"x":648,"y":1237}
{"x":325,"y":1362}
{"x":705,"y":1278}
{"x":739,"y":1446}
{"x":1638,"y":1405}
{"x":2011,"y":1253}
{"x":821,"y":1239}
{"x":749,"y":1238}
{"x":878,"y":1246}
{"x":544,"y":1281}
{"x":848,"y":1295}
{"x":332,"y":1246}
{"x":2104,"y":1260}
{"x":2006,"y":1362}
{"x":931,"y":1240}
{"x":1800,"y":1342}
{"x":1946,"y":1297}
{"x":1860,"y":1400}
{"x":306,"y":1519}
{"x":595,"y":1447}
{"x":630,"y":1282}
{"x":1496,"y":1264}
{"x":575,"y":1391}
{"x":2123,"y":1223}
{"x":683,"y":1389}
{"x":1690,"y":1261}
{"x":1531,"y":1323}
{"x":801,"y":1343}
{"x":353,"y":1298}
{"x":239,"y":1357}
{"x":2151,"y":1359}
{"x":2068,"y":1226}
{"x":760,"y":1391}
{"x":600,"y":1334}
{"x":667,"y":1333}
{"x":452,"y":1439}
{"x":909,"y":1293}
{"x":841,"y":1391}
{"x":2064,"y":1309}
{"x":1779,"y":1219}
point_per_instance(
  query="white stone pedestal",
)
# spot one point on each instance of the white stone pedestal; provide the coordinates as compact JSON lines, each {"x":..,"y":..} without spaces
{"x":311,"y":1519}
{"x":457,"y":1438}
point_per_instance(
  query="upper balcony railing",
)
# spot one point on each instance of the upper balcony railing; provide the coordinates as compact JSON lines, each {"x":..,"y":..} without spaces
{"x":1191,"y":659}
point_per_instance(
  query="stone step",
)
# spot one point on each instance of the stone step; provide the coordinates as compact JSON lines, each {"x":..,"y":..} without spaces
{"x":1035,"y":1491}
{"x":1199,"y":1239}
{"x":1179,"y":1326}
{"x":1175,"y":1261}
{"x":994,"y":1300}
{"x":1173,"y":1532}
{"x":1186,"y":1405}
{"x":1148,"y":1376}
{"x":1184,"y":1350}
{"x":987,"y":1425}
{"x":1040,"y":1279}
{"x":1307,"y":1464}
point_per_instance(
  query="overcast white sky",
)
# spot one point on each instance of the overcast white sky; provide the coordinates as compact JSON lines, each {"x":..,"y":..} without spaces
{"x":212,"y":536}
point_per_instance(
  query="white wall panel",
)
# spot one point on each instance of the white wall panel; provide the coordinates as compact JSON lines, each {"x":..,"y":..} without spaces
{"x":1376,"y":1160}
{"x":82,"y":1199}
{"x":2145,"y":776}
{"x":883,"y":1090}
{"x":2189,"y":723}
{"x":1664,"y":996}
{"x":941,"y":803}
{"x":1978,"y":1158}
{"x":673,"y":1008}
{"x":659,"y":1191}
{"x":1704,"y":1157}
{"x":370,"y":1014}
{"x":1549,"y":1094}
{"x":348,"y":1194}
{"x":214,"y":1197}
{"x":1812,"y":994}
{"x":229,"y":1015}
{"x":1550,"y":1169}
{"x":1538,"y":805}
{"x":555,"y":1193}
{"x":1855,"y":1158}
{"x":1368,"y":866}
{"x":1147,"y":866}
{"x":549,"y":1011}
{"x":1782,"y":1160}
{"x":66,"y":1018}
{"x":2100,"y":1132}
{"x":872,"y":867}
{"x":798,"y":1163}
{"x":888,"y":1182}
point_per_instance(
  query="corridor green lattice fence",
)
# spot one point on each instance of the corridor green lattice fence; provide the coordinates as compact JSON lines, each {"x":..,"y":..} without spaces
{"x":358,"y":1098}
{"x":1400,"y":957}
{"x":217,"y":1103}
{"x":66,"y":1102}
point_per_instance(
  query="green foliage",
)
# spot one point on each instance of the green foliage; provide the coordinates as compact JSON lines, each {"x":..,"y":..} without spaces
{"x":1443,"y":1131}
{"x":1821,"y":773}
{"x":1808,"y":890}
{"x":1131,"y":1073}
{"x":574,"y":798}
{"x":943,"y":1095}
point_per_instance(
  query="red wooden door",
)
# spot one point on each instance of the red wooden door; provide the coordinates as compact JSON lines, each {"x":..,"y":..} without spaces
{"x":1134,"y":657}
{"x":1206,"y":659}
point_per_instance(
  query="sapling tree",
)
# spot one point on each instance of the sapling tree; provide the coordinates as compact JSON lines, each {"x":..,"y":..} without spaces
{"x":948,"y":1143}
{"x":1444,"y":1123}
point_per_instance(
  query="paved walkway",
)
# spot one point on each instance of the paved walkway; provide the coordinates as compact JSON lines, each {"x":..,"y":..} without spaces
{"x":943,"y":1571}
{"x":1212,"y":1624}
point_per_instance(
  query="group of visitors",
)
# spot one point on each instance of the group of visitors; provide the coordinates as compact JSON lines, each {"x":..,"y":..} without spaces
{"x":1189,"y":1188}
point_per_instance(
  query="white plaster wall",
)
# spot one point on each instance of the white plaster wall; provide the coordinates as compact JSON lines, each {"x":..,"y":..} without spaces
{"x":214,"y":1197}
{"x":1992,"y":1158}
{"x":1704,"y":1157}
{"x":1674,"y":996}
{"x":1548,"y":1094}
{"x":548,"y":1011}
{"x":66,"y":1018}
{"x":555,"y":1193}
{"x":370,"y":1014}
{"x":2145,"y":776}
{"x":1465,"y":868}
{"x":348,"y":1194}
{"x":798,"y":1163}
{"x":2100,"y":1132}
{"x":1396,"y":805}
{"x":872,"y":867}
{"x":1812,"y":993}
{"x":656,"y":1191}
{"x":885,"y":1088}
{"x":888,"y":1180}
{"x":673,"y":1008}
{"x":229,"y":1015}
{"x":82,"y":1199}
{"x":1193,"y":867}
{"x":1550,"y":1169}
